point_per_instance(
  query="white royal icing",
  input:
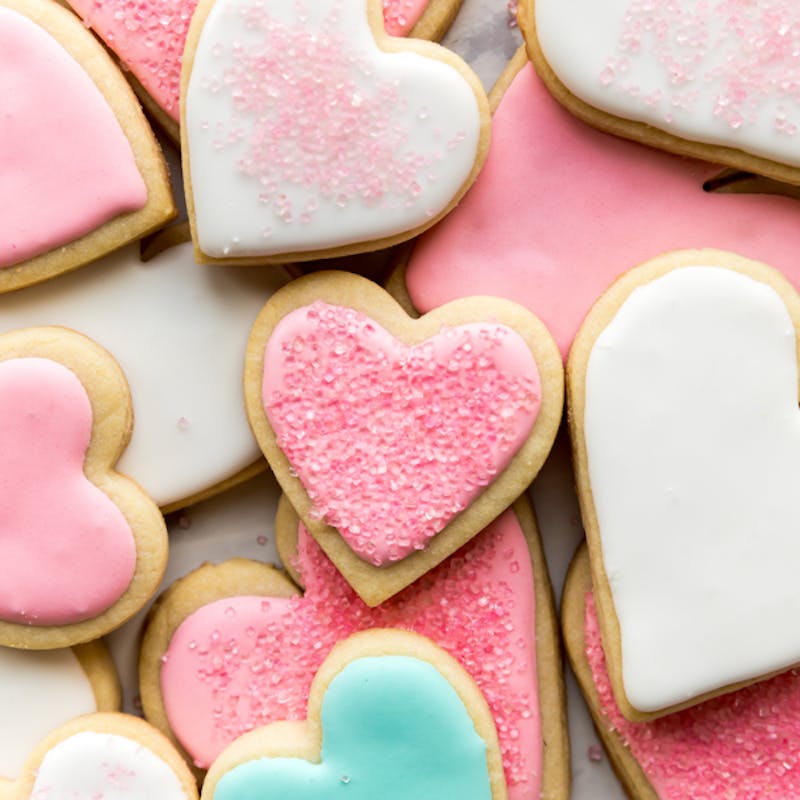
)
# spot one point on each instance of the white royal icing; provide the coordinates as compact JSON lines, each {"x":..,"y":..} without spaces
{"x":285,"y":149}
{"x":179,"y":331}
{"x":39,"y":690}
{"x":692,"y":431}
{"x":90,"y":765}
{"x":724,"y":73}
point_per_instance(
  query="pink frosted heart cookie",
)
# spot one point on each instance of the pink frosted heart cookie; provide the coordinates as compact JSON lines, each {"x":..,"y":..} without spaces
{"x":113,"y":756}
{"x":398,"y":439}
{"x":81,"y":172}
{"x":149,"y":39}
{"x":686,"y":440}
{"x":734,"y":746}
{"x":716,"y":81}
{"x":356,"y":142}
{"x":242,"y":613}
{"x":82,"y":548}
{"x":539,"y":256}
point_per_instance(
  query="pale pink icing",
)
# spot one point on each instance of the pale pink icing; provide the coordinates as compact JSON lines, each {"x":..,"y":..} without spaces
{"x":561,"y":209}
{"x":392,"y":441}
{"x":66,"y":167}
{"x":740,"y":746}
{"x":247,"y":661}
{"x":400,"y":16}
{"x":149,"y":37}
{"x":66,"y":551}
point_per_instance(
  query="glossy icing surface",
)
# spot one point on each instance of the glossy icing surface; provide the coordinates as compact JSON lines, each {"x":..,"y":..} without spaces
{"x":64,"y":158}
{"x":344,"y":143}
{"x":722,"y":73}
{"x":692,"y":435}
{"x":90,"y":765}
{"x":554,"y":218}
{"x":66,"y":551}
{"x":392,"y":727}
{"x":169,"y":323}
{"x":39,"y":690}
{"x":391,"y":441}
{"x":254,"y":658}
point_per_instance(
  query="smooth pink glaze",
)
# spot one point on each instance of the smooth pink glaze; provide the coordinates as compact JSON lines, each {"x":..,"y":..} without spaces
{"x":400,"y":16}
{"x":149,"y":36}
{"x":390,"y":441}
{"x":248,"y":661}
{"x":560,"y":210}
{"x":740,"y":746}
{"x":66,"y":166}
{"x":66,"y":551}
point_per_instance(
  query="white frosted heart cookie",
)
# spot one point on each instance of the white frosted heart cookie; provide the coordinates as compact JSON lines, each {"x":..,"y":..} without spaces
{"x":308,"y":133}
{"x":41,"y":690}
{"x":710,"y":80}
{"x":82,"y":173}
{"x":113,"y":756}
{"x":683,"y":406}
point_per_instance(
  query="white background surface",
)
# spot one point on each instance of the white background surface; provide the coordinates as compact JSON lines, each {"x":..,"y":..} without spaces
{"x":240,"y":522}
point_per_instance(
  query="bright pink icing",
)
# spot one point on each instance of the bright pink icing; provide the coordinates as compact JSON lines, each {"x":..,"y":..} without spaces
{"x":149,"y":37}
{"x":392,"y":441}
{"x":560,"y":210}
{"x":239,"y":663}
{"x":66,"y":551}
{"x":400,"y":16}
{"x":66,"y":167}
{"x":741,"y":746}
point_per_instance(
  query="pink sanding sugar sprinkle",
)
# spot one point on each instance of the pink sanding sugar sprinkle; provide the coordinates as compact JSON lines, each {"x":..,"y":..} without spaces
{"x":400,"y":16}
{"x":749,"y":51}
{"x":740,"y":746}
{"x":391,"y":441}
{"x":257,"y":668}
{"x":322,"y":119}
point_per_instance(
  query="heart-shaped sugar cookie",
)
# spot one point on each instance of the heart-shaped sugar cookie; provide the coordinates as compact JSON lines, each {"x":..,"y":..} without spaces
{"x":710,"y":80}
{"x":307,"y":132}
{"x":81,"y":547}
{"x":683,"y":400}
{"x":199,"y":688}
{"x":113,"y":756}
{"x":503,"y":240}
{"x":398,"y":439}
{"x":389,"y":715}
{"x":82,"y":173}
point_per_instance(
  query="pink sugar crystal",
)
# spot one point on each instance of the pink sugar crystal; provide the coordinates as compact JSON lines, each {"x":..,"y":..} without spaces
{"x":228,"y":674}
{"x":740,"y":746}
{"x":400,"y":16}
{"x":390,"y":441}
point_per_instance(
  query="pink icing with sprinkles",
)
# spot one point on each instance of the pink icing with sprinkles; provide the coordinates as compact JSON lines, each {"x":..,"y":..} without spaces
{"x":740,"y":746}
{"x":391,"y":441}
{"x":242,"y":662}
{"x":749,"y":51}
{"x":149,"y":37}
{"x":400,"y":16}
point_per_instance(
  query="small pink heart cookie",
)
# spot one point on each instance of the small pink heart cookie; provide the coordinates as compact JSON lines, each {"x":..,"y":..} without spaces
{"x":82,"y":548}
{"x":307,"y":132}
{"x":232,"y":647}
{"x":398,"y":439}
{"x":113,"y":756}
{"x":81,"y":172}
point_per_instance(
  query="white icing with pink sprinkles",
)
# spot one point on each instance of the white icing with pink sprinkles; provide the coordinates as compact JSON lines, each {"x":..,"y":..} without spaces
{"x":304,"y":135}
{"x":722,"y":72}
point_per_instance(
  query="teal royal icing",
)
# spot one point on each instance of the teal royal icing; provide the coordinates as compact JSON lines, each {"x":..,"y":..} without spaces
{"x":392,"y":729}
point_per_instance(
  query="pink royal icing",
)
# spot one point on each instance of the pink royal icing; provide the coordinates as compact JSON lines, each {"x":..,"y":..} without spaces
{"x":740,"y":746}
{"x":149,"y":37}
{"x":242,"y":662}
{"x":66,"y":551}
{"x":392,"y":441}
{"x":553,"y":230}
{"x":66,"y":167}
